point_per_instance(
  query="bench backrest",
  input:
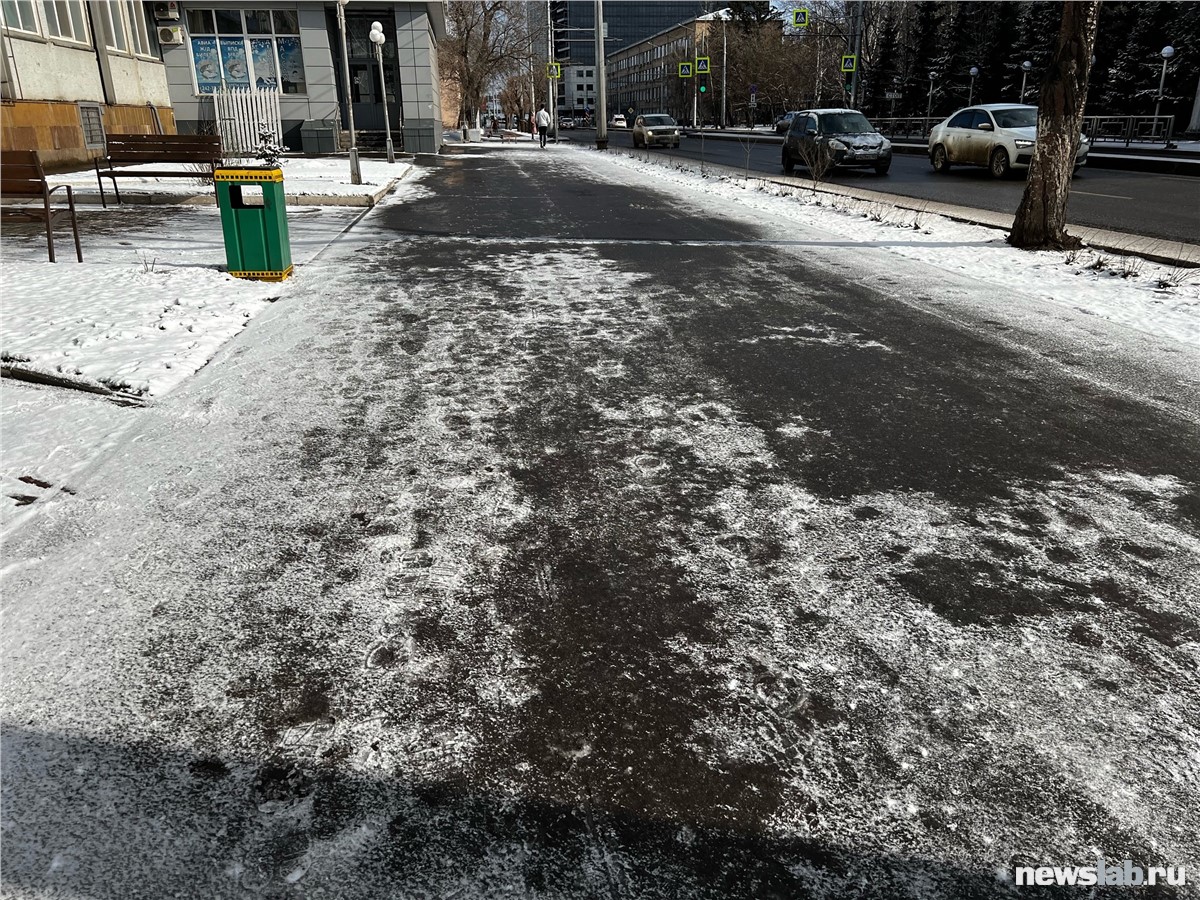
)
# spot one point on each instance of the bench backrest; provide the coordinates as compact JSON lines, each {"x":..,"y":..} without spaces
{"x":146,"y":148}
{"x":21,"y":173}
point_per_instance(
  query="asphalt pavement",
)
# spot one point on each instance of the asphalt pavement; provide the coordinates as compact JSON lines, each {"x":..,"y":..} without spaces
{"x":562,"y":540}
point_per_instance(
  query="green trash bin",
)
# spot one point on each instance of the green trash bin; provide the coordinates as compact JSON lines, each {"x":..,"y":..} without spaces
{"x":254,"y":220}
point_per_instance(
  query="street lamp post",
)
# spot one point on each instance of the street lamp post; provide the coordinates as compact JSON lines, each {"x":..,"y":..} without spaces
{"x":378,"y":39}
{"x":1167,"y":53}
{"x":355,"y":172}
{"x":971,"y":93}
{"x":929,"y":105}
{"x":1025,"y":68}
{"x":601,"y":88}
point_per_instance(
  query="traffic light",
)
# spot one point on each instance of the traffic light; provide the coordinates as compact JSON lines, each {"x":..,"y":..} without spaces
{"x":704,"y":84}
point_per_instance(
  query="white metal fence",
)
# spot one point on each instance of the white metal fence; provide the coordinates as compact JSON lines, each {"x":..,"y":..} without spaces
{"x":241,"y":113}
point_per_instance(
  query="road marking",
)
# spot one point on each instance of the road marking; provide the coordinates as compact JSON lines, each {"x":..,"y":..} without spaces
{"x":1109,"y":196}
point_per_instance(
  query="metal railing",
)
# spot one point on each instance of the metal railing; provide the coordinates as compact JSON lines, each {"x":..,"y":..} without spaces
{"x":1129,"y":129}
{"x":1126,"y":130}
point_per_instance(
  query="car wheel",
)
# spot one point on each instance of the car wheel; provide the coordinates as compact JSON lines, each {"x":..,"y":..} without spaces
{"x":789,"y":165}
{"x":998,"y":165}
{"x":882,"y":168}
{"x":940,"y":161}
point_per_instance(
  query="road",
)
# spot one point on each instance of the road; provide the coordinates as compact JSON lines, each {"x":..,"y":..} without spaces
{"x":1143,"y":203}
{"x":554,"y":538}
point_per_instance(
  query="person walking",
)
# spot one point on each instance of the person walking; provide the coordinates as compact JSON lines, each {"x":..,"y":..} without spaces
{"x":543,"y":123}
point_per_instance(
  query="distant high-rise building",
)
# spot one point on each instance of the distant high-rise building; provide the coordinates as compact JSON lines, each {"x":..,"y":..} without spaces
{"x":628,"y":23}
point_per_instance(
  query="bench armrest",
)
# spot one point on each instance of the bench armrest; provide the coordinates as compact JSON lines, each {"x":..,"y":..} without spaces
{"x":60,"y":187}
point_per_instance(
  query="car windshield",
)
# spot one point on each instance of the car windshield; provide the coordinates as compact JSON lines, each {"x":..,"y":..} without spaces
{"x":658,"y":120}
{"x":1022,"y":117}
{"x":845,"y":123}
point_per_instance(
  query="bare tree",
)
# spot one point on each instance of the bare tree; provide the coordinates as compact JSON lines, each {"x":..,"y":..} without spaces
{"x":1042,"y":216}
{"x":485,"y":41}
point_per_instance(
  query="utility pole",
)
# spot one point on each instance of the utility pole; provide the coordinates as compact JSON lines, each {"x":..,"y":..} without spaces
{"x":601,"y":91}
{"x":551,"y":87}
{"x":695,"y":77}
{"x":724,"y":57}
{"x":858,"y":39}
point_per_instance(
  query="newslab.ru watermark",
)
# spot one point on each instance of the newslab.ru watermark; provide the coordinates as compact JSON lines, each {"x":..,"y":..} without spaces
{"x":1124,"y":874}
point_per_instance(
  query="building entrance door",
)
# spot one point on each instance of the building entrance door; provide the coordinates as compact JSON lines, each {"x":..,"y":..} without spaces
{"x":366,"y":92}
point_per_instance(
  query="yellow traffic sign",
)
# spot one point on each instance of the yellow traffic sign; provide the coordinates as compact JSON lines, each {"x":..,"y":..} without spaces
{"x":849,"y":63}
{"x":701,"y":65}
{"x":685,"y":70}
{"x":553,"y":70}
{"x":799,"y":18}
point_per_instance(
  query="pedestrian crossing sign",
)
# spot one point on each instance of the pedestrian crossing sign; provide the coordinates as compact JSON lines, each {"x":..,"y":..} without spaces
{"x":553,"y":70}
{"x":701,"y":65}
{"x":799,"y":18}
{"x":685,"y":70}
{"x":849,"y":63}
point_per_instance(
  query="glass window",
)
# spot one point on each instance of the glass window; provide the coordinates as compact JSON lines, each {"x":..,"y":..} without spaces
{"x":258,"y":21}
{"x":286,"y":22}
{"x":1018,"y":117}
{"x":980,"y":117}
{"x":93,"y":126}
{"x":229,"y":21}
{"x":221,"y":55}
{"x":139,"y":35}
{"x":114,"y":27}
{"x":18,"y":14}
{"x":961,"y":120}
{"x":200,"y":21}
{"x":291,"y":65}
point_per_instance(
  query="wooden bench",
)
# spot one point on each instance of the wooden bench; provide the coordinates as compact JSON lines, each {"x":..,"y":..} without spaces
{"x":201,"y":151}
{"x":21,"y":175}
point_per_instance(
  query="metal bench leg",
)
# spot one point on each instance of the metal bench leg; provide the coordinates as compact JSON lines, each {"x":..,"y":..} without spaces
{"x":49,"y":228}
{"x":117,"y":191}
{"x":100,"y":181}
{"x":74,"y":223}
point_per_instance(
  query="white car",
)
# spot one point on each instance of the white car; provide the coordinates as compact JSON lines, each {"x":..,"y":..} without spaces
{"x":658,"y":128}
{"x":999,"y":136}
{"x":617,"y":121}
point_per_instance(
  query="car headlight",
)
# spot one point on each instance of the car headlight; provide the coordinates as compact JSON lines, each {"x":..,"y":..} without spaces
{"x":649,"y":133}
{"x":835,"y":144}
{"x":886,"y":145}
{"x":1083,"y":139}
{"x":1023,"y":145}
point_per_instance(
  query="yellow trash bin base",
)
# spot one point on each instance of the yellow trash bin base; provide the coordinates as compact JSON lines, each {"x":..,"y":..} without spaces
{"x":264,"y":276}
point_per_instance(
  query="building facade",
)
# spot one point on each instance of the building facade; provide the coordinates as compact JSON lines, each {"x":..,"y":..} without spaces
{"x":296,"y":47}
{"x":627,"y":23}
{"x":644,"y":76}
{"x":72,"y":71}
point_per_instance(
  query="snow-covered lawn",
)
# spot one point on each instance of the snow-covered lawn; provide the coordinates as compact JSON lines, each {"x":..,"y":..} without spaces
{"x":323,"y":177}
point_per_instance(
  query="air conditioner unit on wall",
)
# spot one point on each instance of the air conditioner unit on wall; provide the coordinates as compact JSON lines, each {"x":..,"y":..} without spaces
{"x":168,"y":10}
{"x":170,"y":34}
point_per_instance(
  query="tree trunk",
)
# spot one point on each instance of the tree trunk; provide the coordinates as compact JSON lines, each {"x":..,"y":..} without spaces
{"x":1041,"y":218}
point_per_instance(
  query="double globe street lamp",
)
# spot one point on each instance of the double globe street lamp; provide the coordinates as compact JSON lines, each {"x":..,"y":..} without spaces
{"x":378,"y":39}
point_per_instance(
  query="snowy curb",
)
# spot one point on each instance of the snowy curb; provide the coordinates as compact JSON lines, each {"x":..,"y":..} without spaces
{"x":1152,"y":249}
